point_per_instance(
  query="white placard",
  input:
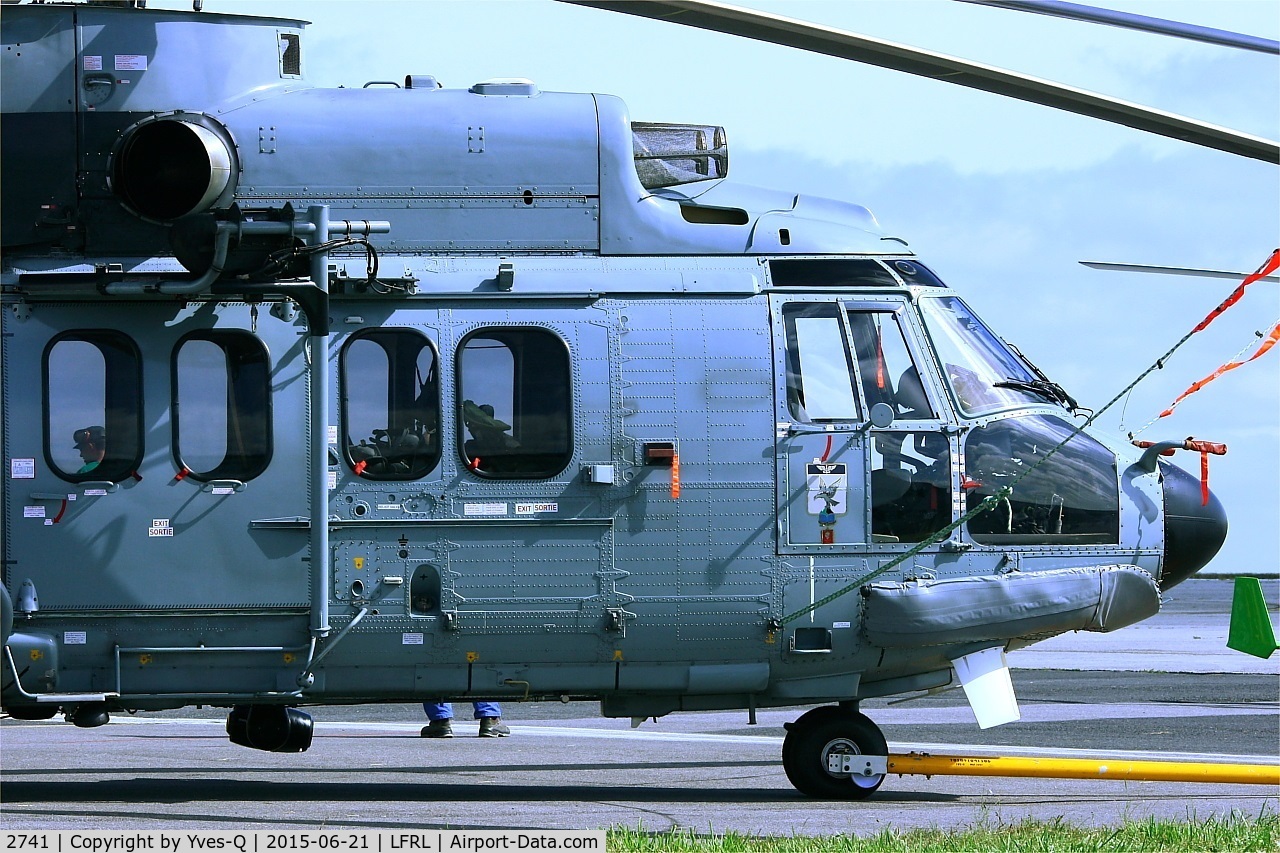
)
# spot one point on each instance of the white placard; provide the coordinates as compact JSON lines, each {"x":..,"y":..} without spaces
{"x":22,"y":469}
{"x":485,"y":509}
{"x":131,"y":62}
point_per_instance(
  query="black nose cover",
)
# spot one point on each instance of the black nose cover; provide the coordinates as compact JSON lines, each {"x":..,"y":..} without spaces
{"x":1193,"y":530}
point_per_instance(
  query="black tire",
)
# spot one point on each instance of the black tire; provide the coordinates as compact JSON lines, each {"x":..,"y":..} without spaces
{"x":32,"y":712}
{"x":810,"y":718}
{"x":6,"y":615}
{"x":820,"y":733}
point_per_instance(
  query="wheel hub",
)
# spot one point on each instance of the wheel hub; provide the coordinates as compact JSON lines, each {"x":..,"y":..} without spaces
{"x":844,"y":760}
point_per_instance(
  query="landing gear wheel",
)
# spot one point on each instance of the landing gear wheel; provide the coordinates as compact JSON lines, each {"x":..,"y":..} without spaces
{"x":825,"y":732}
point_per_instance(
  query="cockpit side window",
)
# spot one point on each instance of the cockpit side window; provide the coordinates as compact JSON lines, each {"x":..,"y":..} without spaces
{"x":93,"y":399}
{"x":910,"y":485}
{"x":885,"y":366}
{"x":820,"y":386}
{"x":390,"y":404}
{"x":1069,"y":498}
{"x":222,"y":405}
{"x":978,"y":366}
{"x":514,"y":403}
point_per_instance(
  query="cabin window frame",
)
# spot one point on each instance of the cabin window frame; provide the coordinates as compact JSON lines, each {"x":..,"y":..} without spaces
{"x":531,"y":386}
{"x":122,"y":408}
{"x":404,"y":403}
{"x":241,"y":460}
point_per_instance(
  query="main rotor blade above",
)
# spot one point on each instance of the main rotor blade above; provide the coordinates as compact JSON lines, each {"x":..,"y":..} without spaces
{"x":1190,"y":271}
{"x":790,"y":32}
{"x":1129,"y":21}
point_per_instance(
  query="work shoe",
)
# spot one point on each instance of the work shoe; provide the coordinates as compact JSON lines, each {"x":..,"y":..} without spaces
{"x":493,"y":727}
{"x":438,"y":728}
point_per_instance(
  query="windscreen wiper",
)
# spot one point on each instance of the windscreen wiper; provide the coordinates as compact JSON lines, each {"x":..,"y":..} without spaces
{"x":1042,"y":384}
{"x":1051,"y":391}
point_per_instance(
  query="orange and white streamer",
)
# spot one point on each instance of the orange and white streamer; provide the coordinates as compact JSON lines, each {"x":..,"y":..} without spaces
{"x":1272,"y":264}
{"x":1270,"y":341}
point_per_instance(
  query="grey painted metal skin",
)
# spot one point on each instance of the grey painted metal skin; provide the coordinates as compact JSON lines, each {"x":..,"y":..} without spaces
{"x":508,"y":208}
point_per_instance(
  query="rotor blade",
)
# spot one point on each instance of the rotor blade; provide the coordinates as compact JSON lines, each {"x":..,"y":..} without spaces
{"x":1104,"y":265}
{"x":789,"y":32}
{"x":1128,"y":21}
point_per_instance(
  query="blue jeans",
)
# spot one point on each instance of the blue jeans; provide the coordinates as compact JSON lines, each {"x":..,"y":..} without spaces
{"x":444,"y":711}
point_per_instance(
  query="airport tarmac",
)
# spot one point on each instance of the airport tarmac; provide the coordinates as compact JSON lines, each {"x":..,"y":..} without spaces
{"x":1169,"y":691}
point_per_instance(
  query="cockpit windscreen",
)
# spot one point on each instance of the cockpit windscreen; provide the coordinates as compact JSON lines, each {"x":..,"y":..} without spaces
{"x":984,"y":374}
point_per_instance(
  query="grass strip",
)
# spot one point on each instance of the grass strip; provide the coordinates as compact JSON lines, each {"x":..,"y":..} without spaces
{"x":1234,"y":833}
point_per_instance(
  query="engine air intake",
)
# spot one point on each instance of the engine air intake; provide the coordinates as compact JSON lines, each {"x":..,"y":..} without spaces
{"x":171,"y":167}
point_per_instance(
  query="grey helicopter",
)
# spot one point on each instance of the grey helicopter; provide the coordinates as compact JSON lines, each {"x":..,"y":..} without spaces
{"x":398,"y":393}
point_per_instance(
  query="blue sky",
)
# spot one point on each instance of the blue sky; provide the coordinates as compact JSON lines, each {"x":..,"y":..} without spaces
{"x":1001,"y":198}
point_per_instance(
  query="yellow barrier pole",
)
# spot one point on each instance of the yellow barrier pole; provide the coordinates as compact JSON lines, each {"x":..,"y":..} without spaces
{"x":923,"y":764}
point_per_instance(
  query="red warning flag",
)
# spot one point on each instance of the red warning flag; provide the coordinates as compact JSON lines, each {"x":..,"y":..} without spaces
{"x":675,"y":476}
{"x":1272,"y":264}
{"x":1204,"y":448}
{"x":1204,"y":479}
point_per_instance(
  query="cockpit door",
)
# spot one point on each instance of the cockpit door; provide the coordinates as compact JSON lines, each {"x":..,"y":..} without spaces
{"x":864,"y":462}
{"x":821,"y":452}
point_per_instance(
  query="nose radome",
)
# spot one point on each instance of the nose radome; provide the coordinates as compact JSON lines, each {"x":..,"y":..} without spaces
{"x":1193,"y":530}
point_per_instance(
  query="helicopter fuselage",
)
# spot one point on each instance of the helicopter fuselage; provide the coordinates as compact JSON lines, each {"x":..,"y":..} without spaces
{"x":411,"y":393}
